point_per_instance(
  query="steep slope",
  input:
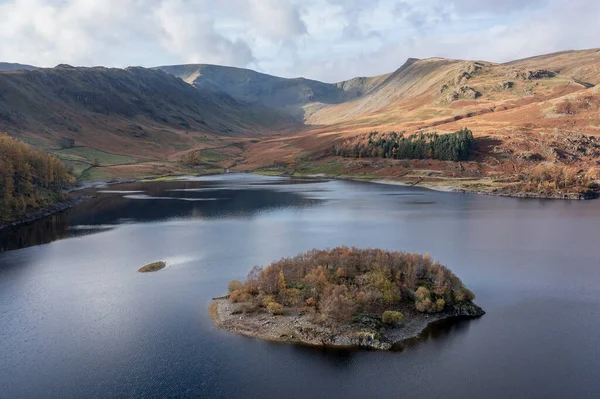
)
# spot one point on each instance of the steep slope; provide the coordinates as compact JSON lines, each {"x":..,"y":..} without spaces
{"x":291,"y":95}
{"x":411,"y":83}
{"x":135,"y":111}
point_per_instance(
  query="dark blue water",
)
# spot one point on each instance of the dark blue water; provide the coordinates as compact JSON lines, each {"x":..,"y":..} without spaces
{"x":77,"y":320}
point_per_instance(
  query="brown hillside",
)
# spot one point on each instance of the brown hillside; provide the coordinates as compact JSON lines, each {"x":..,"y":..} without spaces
{"x":523,"y":113}
{"x":102,"y":117}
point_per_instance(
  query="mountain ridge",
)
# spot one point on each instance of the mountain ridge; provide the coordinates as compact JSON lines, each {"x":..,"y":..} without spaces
{"x":9,"y":66}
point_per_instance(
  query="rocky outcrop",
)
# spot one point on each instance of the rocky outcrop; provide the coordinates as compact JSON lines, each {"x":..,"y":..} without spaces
{"x":463,"y":92}
{"x":466,"y":309}
{"x":540,"y":74}
{"x":469,"y":92}
{"x":531,"y":74}
{"x":453,"y":96}
{"x":475,"y":67}
{"x":462,"y":77}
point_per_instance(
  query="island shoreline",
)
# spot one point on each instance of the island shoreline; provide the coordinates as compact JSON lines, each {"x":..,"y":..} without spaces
{"x":222,"y":313}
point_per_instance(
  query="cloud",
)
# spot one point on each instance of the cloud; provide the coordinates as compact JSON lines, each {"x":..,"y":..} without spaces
{"x":124,"y":32}
{"x":192,"y":37}
{"x":496,"y":6}
{"x":329,"y":40}
{"x":279,"y":20}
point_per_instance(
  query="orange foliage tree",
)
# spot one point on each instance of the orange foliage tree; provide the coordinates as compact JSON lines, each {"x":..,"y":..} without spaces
{"x":29,"y":179}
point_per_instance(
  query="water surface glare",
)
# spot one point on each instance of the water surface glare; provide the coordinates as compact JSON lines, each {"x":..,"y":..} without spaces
{"x":77,"y":320}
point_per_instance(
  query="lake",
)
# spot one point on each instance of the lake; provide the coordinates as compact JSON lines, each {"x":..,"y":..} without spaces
{"x":78,"y":320}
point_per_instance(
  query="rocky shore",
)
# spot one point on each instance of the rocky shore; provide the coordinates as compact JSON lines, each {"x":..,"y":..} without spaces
{"x":367,"y":332}
{"x":450,"y":188}
{"x":582,"y":195}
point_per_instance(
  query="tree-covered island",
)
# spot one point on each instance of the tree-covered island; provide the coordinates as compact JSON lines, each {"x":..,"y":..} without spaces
{"x":347,"y":297}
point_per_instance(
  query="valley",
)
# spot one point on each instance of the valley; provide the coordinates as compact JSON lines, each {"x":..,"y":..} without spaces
{"x":530,"y":119}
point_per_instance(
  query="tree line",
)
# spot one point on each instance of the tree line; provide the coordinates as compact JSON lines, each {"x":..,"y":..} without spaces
{"x":455,"y":146}
{"x":29,"y":179}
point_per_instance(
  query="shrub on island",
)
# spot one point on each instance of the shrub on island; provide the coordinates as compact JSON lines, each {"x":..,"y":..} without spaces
{"x":391,"y":317}
{"x":336,"y":285}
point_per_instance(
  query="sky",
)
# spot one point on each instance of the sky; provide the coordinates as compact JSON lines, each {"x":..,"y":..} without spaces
{"x":328,"y":40}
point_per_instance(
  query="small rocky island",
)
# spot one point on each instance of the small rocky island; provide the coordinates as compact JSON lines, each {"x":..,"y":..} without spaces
{"x":344,"y":297}
{"x":153,"y":267}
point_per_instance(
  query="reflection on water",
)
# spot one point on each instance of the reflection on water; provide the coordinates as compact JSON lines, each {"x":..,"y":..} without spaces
{"x":142,"y":202}
{"x":438,"y":331}
{"x":46,"y":230}
{"x":78,"y":320}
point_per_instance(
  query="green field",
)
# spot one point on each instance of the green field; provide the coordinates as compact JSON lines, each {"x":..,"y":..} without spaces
{"x":331,"y":168}
{"x":93,"y":173}
{"x":87,"y":155}
{"x":210,"y":155}
{"x":78,"y":166}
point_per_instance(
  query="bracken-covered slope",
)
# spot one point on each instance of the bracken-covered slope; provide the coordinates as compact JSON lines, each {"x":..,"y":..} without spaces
{"x":434,"y":88}
{"x":542,"y":110}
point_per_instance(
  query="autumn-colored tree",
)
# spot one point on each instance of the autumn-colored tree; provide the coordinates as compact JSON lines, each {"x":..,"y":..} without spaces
{"x":234,"y":286}
{"x":281,"y":285}
{"x":29,"y":179}
{"x":317,"y":280}
{"x":336,"y":304}
{"x":269,"y":279}
{"x":333,"y":285}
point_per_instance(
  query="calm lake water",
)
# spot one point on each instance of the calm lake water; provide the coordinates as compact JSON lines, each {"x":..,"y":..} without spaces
{"x":78,"y":320}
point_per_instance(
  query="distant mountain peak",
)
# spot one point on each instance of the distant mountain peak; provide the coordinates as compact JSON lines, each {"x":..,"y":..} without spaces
{"x":8,"y":66}
{"x":64,"y":66}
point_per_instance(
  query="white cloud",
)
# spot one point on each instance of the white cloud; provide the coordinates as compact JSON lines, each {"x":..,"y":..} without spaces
{"x":276,"y":19}
{"x":322,"y":39}
{"x":495,"y":6}
{"x":191,"y":36}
